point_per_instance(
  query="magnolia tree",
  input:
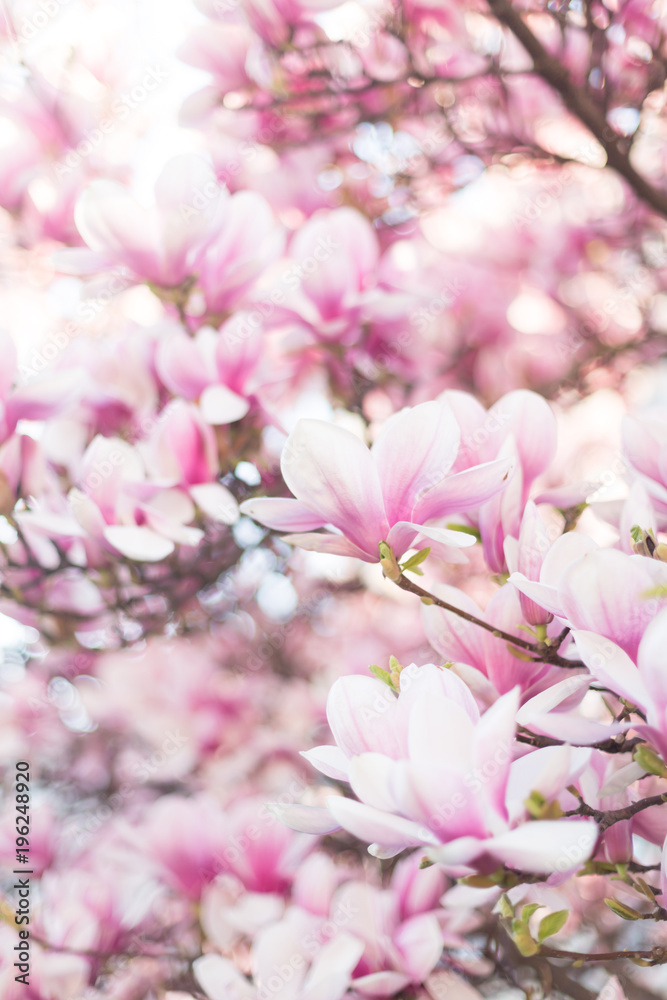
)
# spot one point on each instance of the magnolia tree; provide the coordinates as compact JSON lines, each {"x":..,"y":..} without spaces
{"x":333,"y":483}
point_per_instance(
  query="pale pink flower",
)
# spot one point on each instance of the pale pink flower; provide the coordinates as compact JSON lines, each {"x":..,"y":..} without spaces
{"x":392,"y":492}
{"x":640,"y":677}
{"x":430,"y":772}
{"x":521,"y":425}
{"x":160,"y":243}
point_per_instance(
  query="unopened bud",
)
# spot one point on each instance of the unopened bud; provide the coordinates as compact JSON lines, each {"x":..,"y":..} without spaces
{"x":390,"y":567}
{"x":647,"y":758}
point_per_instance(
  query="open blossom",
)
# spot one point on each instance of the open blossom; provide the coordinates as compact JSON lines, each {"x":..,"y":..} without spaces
{"x":430,"y":772}
{"x":393,"y":492}
{"x":645,"y":446}
{"x":643,"y":682}
{"x":120,"y":509}
{"x":216,"y":369}
{"x":521,"y":425}
{"x":486,"y":662}
{"x":598,"y":590}
{"x":159,"y":244}
{"x":332,"y":287}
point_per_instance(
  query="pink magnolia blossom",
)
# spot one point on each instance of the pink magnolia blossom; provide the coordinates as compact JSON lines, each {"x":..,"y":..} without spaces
{"x":122,"y":510}
{"x":430,"y":772}
{"x":603,"y":590}
{"x":521,"y":425}
{"x":392,"y":492}
{"x":159,"y":244}
{"x":485,"y":662}
{"x":642,"y":682}
{"x":332,"y":288}
{"x":215,"y":368}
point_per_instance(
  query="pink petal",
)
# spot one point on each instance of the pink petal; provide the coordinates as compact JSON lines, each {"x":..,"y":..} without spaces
{"x":220,"y":979}
{"x":547,"y":847}
{"x":381,"y":984}
{"x":329,"y":760}
{"x":182,"y":367}
{"x":605,"y":592}
{"x":453,"y":637}
{"x":335,"y":545}
{"x":216,"y":502}
{"x":371,"y":780}
{"x":372,"y":825}
{"x":364,"y":715}
{"x":652,"y":666}
{"x":531,"y":420}
{"x":330,"y":974}
{"x":413,"y":452}
{"x":612,"y":667}
{"x":219,"y":405}
{"x":304,"y":819}
{"x":331,"y":471}
{"x":282,"y":514}
{"x":344,"y":246}
{"x":139,"y":543}
{"x":464,"y":490}
{"x":492,"y":755}
{"x":420,"y":942}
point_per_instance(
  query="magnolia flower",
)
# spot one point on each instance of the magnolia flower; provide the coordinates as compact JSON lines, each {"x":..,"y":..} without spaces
{"x":430,"y":772}
{"x":332,"y":287}
{"x":486,"y":663}
{"x":216,"y":369}
{"x":598,"y":590}
{"x":642,"y":682}
{"x":392,"y":492}
{"x":522,"y":425}
{"x":159,"y":243}
{"x":287,"y":962}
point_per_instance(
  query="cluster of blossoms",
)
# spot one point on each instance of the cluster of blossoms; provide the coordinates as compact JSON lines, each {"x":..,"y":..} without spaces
{"x":333,"y":499}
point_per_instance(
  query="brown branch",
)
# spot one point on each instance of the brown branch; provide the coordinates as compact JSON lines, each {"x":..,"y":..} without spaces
{"x":579,"y":103}
{"x":414,"y":588}
{"x":542,"y":653}
{"x":607,"y":819}
{"x":656,"y":956}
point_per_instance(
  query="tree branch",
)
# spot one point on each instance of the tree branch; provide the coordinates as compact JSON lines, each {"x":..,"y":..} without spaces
{"x":579,"y":103}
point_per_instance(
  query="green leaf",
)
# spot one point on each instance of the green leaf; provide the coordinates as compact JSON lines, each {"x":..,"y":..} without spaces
{"x":527,"y":911}
{"x":382,"y":675}
{"x":466,"y":529}
{"x":551,"y":924}
{"x":410,"y":565}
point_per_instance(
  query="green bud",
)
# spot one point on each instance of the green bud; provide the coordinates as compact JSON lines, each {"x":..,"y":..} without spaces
{"x":647,"y":758}
{"x":390,"y":567}
{"x":621,"y":910}
{"x":523,"y":940}
{"x":506,"y":908}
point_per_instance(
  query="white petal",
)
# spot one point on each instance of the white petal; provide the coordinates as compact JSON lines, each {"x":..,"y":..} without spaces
{"x":219,"y":405}
{"x":216,"y":501}
{"x":138,"y":542}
